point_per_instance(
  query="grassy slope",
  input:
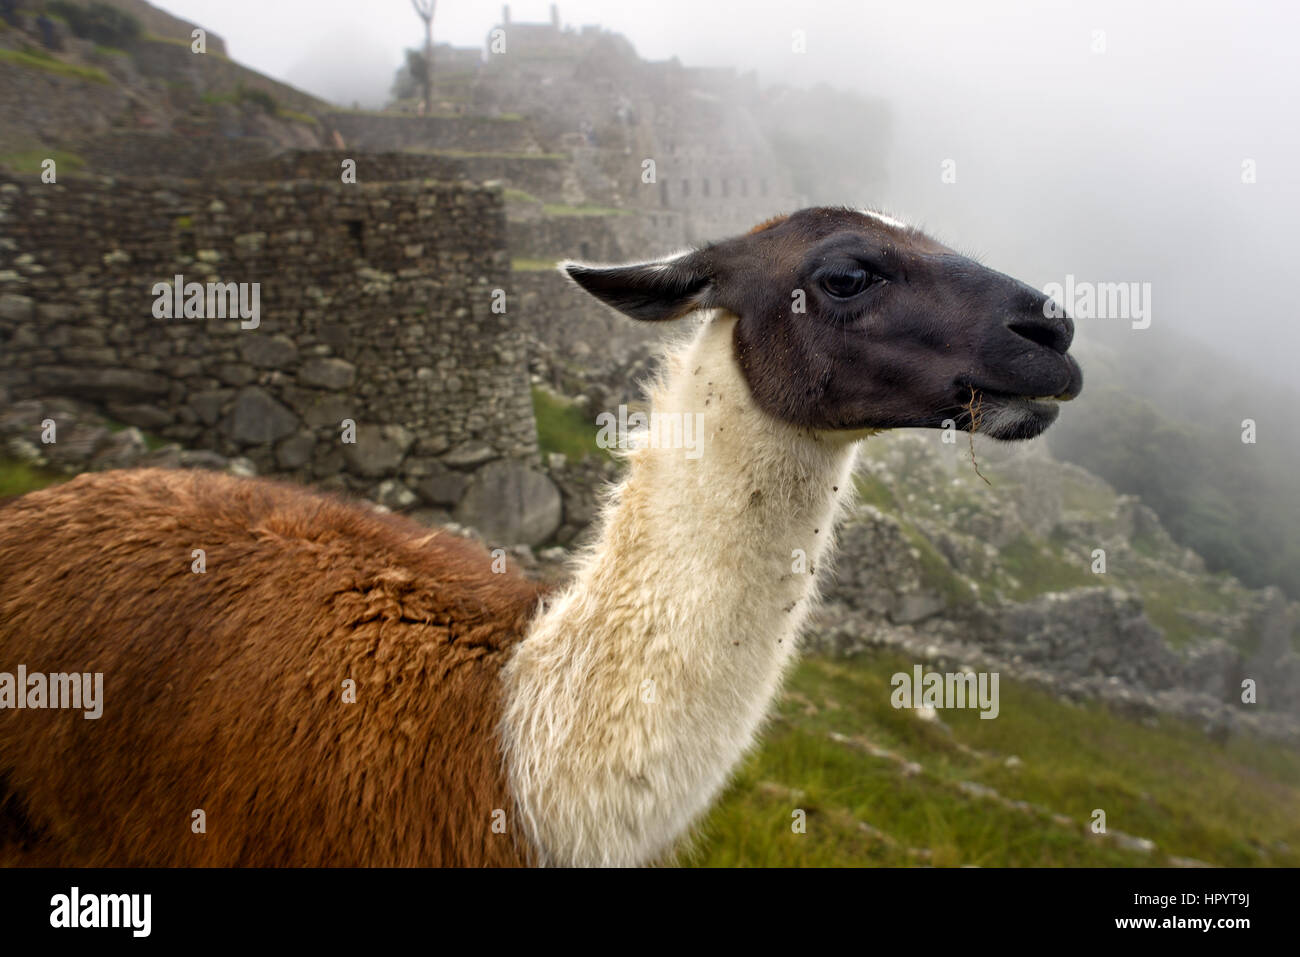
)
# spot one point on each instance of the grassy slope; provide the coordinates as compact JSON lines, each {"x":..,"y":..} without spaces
{"x":19,"y":478}
{"x":37,"y":60}
{"x":1226,"y":805}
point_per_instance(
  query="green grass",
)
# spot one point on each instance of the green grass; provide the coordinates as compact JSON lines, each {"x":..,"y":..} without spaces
{"x":936,"y":573}
{"x":47,"y":64}
{"x":872,"y":491}
{"x":1165,"y":599}
{"x":151,"y":442}
{"x":362,"y":111}
{"x":298,"y":117}
{"x":187,"y":43}
{"x":563,"y":428}
{"x":1039,"y":568}
{"x":559,"y":209}
{"x":532,"y":265}
{"x":518,"y":196}
{"x":484,"y":154}
{"x":29,"y":161}
{"x":1080,"y":496}
{"x":252,"y":96}
{"x":1230,"y":805}
{"x":19,"y":478}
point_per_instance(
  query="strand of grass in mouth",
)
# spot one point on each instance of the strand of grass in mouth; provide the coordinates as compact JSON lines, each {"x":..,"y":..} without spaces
{"x":974,"y":410}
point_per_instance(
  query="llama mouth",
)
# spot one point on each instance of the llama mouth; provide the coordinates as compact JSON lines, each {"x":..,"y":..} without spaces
{"x":1012,"y":416}
{"x":1027,"y":399}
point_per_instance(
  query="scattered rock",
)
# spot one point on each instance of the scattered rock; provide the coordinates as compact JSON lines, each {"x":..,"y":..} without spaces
{"x":393,"y":494}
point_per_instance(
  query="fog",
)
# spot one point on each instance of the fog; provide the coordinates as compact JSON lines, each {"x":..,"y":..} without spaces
{"x":1105,"y":141}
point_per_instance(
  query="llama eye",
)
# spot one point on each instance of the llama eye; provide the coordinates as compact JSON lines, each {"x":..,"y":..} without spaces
{"x":847,"y":284}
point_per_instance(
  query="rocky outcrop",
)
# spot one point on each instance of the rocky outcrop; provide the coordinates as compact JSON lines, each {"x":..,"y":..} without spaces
{"x":1088,"y":631}
{"x":1050,"y":576}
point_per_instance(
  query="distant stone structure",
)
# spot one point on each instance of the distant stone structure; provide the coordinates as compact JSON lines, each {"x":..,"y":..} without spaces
{"x":678,"y":147}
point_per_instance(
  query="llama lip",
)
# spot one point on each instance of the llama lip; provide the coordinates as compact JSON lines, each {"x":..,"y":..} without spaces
{"x":998,"y":395}
{"x":1051,"y":392}
{"x":1048,"y":401}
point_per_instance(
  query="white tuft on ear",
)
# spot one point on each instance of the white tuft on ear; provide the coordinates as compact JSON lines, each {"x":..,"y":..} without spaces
{"x":887,"y":220}
{"x":564,"y":264}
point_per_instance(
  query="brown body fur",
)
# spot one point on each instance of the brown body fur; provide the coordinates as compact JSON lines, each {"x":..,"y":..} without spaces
{"x":224,"y":690}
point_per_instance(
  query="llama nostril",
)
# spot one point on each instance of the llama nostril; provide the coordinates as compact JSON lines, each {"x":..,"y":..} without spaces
{"x":1056,"y":334}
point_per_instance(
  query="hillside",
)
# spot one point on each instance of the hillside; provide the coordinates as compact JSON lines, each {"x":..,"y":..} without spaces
{"x":882,"y":787}
{"x":135,"y":96}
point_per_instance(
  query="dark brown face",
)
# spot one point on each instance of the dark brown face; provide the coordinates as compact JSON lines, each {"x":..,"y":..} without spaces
{"x":850,"y":321}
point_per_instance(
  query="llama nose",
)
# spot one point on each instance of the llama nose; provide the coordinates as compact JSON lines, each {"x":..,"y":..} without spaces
{"x":1046,"y":324}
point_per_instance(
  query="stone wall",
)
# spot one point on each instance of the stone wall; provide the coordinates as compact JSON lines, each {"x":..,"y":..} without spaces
{"x":392,"y":131}
{"x":557,"y":313}
{"x":542,"y":176}
{"x":615,"y":237}
{"x":375,"y":307}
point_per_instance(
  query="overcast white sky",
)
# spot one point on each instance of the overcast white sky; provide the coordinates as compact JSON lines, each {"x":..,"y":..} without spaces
{"x":1115,"y":166}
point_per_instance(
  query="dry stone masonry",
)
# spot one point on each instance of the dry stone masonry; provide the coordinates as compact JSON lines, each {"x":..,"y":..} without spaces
{"x":375,"y":310}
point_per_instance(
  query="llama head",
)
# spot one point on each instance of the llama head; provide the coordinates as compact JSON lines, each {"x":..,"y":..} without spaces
{"x":848,"y":320}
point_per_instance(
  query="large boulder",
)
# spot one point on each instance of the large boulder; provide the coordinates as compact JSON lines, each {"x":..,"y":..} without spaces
{"x":257,"y":419}
{"x":378,"y":450}
{"x":510,"y":504}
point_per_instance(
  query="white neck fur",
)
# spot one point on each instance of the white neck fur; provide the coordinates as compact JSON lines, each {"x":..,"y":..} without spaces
{"x":641,"y":685}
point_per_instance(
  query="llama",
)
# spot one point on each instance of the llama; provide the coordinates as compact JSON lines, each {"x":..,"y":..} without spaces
{"x":496,"y":721}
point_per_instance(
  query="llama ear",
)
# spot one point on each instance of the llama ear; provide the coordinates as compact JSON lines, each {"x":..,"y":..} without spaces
{"x":653,"y":291}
